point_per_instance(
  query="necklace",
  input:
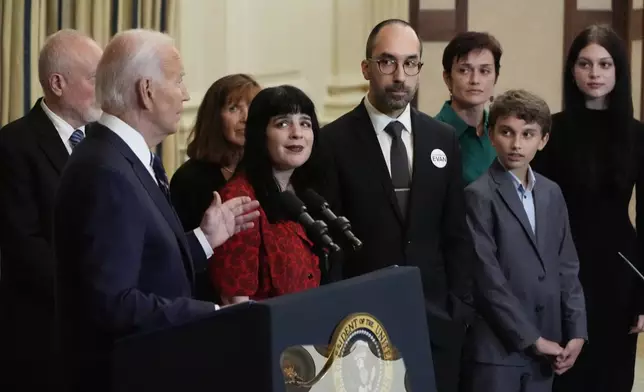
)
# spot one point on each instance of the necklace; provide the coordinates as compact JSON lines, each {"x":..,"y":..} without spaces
{"x":228,"y":170}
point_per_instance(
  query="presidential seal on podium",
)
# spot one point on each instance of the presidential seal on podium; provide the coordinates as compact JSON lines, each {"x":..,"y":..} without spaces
{"x":359,"y":358}
{"x":363,"y":355}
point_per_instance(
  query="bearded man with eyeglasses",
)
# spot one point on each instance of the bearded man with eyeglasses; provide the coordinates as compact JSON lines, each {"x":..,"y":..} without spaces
{"x":395,"y":173}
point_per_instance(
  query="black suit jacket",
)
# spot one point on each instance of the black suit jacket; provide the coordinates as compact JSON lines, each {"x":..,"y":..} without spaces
{"x":32,"y":157}
{"x":434,"y":238}
{"x":125,"y":264}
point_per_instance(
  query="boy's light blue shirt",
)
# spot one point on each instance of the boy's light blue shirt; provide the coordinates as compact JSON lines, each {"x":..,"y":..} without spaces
{"x":525,"y":194}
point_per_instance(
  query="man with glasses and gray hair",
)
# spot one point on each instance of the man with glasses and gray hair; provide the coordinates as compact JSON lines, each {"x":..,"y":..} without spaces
{"x":395,"y":173}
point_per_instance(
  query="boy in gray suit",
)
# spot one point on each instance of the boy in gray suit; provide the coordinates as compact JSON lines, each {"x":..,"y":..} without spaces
{"x":527,"y":290}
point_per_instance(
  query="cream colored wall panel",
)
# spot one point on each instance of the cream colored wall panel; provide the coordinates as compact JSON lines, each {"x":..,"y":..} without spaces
{"x":385,"y":9}
{"x":636,"y":71}
{"x":637,"y":4}
{"x":594,"y":4}
{"x":351,"y":27}
{"x":437,"y":4}
{"x":281,"y":41}
{"x":532,"y":55}
{"x":432,"y":91}
{"x":202,"y":42}
{"x":278,"y":42}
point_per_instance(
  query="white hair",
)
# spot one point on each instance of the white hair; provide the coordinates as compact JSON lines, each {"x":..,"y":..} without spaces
{"x":130,"y":56}
{"x":58,"y":53}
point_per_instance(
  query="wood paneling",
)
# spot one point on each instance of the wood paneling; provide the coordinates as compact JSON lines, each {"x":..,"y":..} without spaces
{"x":438,"y":25}
{"x":636,"y":25}
{"x":576,"y":20}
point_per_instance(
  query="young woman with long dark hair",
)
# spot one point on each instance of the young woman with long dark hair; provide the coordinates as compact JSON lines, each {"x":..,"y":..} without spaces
{"x":595,"y":155}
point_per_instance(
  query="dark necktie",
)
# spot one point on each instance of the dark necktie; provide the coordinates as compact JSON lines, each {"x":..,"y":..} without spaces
{"x":400,"y":176}
{"x":159,"y":173}
{"x":76,"y":138}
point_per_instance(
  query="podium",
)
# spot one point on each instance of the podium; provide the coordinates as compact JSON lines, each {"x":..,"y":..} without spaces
{"x":245,"y":347}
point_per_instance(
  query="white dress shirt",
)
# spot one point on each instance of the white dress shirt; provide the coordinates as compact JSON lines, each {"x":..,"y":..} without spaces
{"x":380,"y":121}
{"x":64,"y":129}
{"x":137,"y":144}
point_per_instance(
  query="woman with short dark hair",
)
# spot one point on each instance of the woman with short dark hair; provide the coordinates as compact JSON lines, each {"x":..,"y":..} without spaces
{"x":471,"y":64}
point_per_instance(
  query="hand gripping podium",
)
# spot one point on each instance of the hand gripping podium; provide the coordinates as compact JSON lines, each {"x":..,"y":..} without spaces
{"x":368,"y":333}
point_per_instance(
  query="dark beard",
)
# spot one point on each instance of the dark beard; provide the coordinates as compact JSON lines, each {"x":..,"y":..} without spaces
{"x":393,"y":103}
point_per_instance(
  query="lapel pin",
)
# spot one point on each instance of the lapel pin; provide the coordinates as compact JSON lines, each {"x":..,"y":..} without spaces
{"x":439,"y":159}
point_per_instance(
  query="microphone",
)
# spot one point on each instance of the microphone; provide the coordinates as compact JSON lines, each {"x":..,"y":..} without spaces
{"x":631,"y":265}
{"x":318,"y":230}
{"x":338,"y":224}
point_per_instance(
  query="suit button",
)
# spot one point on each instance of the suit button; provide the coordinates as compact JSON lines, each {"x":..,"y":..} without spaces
{"x":310,"y":276}
{"x":541,"y":278}
{"x":408,"y":242}
{"x":538,"y":308}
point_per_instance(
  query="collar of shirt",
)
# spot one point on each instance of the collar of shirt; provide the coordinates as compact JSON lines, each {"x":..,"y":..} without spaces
{"x":131,"y":137}
{"x":64,"y":129}
{"x":381,"y":120}
{"x":449,"y":116}
{"x":518,"y":184}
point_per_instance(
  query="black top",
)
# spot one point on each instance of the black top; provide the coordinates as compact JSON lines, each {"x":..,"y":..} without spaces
{"x":598,"y":210}
{"x":191,"y":190}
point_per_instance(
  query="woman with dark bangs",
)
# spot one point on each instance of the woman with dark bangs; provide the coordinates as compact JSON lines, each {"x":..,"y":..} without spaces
{"x":281,"y":154}
{"x":595,"y":155}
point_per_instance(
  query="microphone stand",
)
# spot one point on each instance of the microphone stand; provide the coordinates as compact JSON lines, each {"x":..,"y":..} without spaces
{"x":327,"y":270}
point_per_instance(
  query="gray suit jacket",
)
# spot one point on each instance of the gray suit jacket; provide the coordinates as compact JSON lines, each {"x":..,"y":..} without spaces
{"x":526,"y":285}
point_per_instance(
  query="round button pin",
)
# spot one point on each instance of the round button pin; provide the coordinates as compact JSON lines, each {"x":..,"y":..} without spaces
{"x":439,"y":159}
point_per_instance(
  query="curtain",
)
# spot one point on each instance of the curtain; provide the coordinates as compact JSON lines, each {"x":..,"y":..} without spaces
{"x":25,"y":24}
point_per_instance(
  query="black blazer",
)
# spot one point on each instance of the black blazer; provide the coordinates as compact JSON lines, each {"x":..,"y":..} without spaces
{"x":125,"y":264}
{"x":434,"y":238}
{"x":32,"y":156}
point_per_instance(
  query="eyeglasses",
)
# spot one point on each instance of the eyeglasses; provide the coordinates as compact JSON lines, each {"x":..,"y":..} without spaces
{"x":389,"y":66}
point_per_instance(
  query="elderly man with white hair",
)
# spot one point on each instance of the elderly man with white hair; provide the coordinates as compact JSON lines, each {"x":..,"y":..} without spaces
{"x":33,"y":152}
{"x":125,"y":264}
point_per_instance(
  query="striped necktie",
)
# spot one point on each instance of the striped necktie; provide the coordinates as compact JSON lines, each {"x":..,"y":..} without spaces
{"x":161,"y":176}
{"x":76,"y":138}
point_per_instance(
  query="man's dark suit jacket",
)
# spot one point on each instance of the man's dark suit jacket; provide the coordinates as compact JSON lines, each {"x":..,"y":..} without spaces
{"x":125,"y":264}
{"x":32,"y":157}
{"x":434,"y":237}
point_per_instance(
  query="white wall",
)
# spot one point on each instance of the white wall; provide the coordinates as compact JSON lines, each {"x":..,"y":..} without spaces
{"x":256,"y":37}
{"x":316,"y":45}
